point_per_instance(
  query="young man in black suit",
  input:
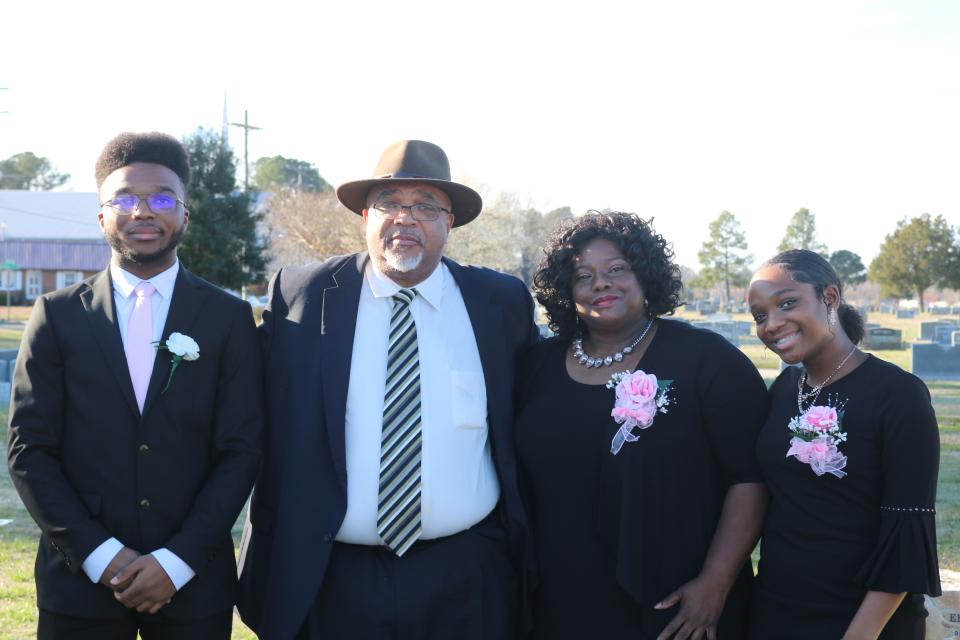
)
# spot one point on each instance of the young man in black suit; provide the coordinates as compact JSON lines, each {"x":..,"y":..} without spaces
{"x":135,"y":422}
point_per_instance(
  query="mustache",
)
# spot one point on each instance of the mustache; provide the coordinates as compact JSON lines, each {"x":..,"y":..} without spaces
{"x":143,"y":225}
{"x":406,"y":234}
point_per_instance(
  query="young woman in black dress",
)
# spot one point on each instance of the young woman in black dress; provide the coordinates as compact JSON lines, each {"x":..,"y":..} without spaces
{"x":643,"y":521}
{"x":850,"y":453}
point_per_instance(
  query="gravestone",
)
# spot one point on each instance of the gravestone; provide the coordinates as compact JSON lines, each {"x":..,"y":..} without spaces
{"x":8,"y":357}
{"x":955,"y":340}
{"x":943,"y":613}
{"x":906,"y":313}
{"x":932,"y":361}
{"x":931,"y":329}
{"x":882,"y":338}
{"x":726,"y":328}
{"x":939,"y":310}
{"x":944,"y":334}
{"x":886,"y":307}
{"x":706,"y":307}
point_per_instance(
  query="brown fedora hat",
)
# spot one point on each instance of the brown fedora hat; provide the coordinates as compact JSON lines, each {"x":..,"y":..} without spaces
{"x":414,"y":161}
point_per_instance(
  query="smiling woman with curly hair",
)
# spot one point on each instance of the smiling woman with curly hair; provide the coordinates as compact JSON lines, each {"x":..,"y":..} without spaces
{"x":635,"y":436}
{"x":649,"y":255}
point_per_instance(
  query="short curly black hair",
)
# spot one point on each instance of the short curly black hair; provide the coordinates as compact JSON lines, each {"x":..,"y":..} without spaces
{"x":650,"y":257}
{"x":155,"y":147}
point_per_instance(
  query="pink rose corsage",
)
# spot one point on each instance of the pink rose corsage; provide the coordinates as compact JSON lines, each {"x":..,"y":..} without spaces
{"x":816,"y":437}
{"x":640,"y":397}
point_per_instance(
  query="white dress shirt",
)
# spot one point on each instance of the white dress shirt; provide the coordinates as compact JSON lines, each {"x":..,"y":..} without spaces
{"x":460,"y":485}
{"x":124,"y":300}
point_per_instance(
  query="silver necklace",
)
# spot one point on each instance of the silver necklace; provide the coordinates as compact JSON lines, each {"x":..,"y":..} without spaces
{"x":589,"y":361}
{"x":814,"y":393}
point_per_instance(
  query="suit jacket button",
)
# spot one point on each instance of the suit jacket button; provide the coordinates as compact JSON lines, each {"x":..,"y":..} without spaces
{"x":144,"y":448}
{"x":145,"y":503}
{"x":327,"y":537}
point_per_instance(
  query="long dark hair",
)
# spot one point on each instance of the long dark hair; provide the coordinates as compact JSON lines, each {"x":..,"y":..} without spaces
{"x":813,"y":269}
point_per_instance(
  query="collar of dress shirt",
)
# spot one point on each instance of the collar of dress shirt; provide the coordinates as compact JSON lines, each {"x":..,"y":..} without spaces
{"x":125,"y":282}
{"x":430,"y":289}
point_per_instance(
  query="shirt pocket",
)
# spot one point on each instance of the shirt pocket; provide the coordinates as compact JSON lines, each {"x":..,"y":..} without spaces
{"x":468,"y":400}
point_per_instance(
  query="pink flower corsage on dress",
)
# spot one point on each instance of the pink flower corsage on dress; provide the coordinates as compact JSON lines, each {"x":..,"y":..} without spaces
{"x":816,"y":438}
{"x":640,"y":397}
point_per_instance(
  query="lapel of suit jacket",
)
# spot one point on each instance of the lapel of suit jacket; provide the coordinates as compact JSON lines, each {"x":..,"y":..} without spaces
{"x":188,"y":296}
{"x":487,"y":329}
{"x":338,"y":328}
{"x":97,"y":299}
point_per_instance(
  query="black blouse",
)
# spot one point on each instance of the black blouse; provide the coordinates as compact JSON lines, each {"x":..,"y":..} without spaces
{"x":827,"y":539}
{"x":614,"y":534}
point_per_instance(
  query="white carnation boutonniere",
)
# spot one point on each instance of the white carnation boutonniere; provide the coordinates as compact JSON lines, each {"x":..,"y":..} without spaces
{"x":181,"y":348}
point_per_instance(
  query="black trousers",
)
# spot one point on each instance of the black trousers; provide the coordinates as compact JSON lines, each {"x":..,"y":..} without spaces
{"x":57,"y":626}
{"x":462,"y":586}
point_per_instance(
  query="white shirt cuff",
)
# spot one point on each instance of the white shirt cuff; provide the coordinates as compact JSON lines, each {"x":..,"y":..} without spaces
{"x":177,"y":570}
{"x":98,"y":560}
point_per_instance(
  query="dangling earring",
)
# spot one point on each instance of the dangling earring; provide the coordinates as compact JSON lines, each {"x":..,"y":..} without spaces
{"x":577,"y":318}
{"x":832,"y":318}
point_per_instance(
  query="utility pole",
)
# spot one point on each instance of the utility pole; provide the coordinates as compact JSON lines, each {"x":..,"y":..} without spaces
{"x":246,"y":126}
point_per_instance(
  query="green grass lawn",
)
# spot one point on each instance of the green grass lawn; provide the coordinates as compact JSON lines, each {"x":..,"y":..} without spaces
{"x":10,"y":338}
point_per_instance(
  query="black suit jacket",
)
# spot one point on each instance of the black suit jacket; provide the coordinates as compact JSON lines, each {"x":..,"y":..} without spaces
{"x":300,"y":498}
{"x":89,"y":467}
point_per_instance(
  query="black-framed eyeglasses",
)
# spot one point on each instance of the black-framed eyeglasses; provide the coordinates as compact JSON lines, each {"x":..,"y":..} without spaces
{"x":422,"y":211}
{"x":158,"y":203}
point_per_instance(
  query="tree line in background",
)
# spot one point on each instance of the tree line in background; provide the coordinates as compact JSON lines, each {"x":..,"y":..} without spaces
{"x":235,"y":238}
{"x":922,"y":252}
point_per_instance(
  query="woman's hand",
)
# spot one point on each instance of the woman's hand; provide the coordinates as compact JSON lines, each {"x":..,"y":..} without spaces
{"x":701,"y":603}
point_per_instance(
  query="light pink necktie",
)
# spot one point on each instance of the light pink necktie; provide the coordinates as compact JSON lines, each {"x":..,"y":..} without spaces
{"x":139,"y":348}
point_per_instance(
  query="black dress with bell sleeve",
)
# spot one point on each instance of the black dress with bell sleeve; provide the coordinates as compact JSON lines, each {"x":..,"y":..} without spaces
{"x":828,"y":539}
{"x":614,"y":534}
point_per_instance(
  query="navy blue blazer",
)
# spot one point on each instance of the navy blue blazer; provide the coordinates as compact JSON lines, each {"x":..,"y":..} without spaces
{"x":300,"y":497}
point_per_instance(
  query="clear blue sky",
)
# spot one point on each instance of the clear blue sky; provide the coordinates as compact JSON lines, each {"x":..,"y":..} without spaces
{"x":674,"y":110}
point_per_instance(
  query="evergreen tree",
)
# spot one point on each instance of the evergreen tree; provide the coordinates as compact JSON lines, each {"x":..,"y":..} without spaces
{"x":221,"y":244}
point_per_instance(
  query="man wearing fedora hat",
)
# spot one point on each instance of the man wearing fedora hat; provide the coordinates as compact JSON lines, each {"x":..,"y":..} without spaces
{"x":387,"y":505}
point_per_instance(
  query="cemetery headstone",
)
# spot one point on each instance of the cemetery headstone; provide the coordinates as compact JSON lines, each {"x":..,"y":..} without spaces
{"x":932,"y":361}
{"x":882,"y":338}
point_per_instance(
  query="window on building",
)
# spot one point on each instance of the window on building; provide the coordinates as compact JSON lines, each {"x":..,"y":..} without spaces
{"x":34,"y":284}
{"x":10,"y":280}
{"x":68,"y":278}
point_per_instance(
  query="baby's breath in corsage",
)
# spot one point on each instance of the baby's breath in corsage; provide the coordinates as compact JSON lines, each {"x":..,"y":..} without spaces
{"x":816,"y":437}
{"x":639,"y":398}
{"x":181,"y":348}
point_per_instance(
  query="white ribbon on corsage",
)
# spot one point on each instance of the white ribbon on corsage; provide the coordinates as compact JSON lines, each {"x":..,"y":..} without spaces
{"x":639,"y":397}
